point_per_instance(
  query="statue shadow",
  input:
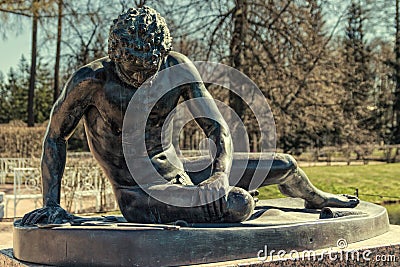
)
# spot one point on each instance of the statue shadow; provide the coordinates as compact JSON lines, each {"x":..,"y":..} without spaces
{"x":260,"y":210}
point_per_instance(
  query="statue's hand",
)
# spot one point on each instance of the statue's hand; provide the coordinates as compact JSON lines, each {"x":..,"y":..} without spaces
{"x":215,"y":190}
{"x":52,"y":213}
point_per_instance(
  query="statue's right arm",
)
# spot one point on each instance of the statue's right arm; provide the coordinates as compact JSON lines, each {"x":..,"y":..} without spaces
{"x":66,"y":113}
{"x":68,"y":110}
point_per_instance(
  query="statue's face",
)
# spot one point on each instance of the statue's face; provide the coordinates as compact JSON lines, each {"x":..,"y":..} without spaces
{"x":139,"y":40}
{"x":140,"y":70}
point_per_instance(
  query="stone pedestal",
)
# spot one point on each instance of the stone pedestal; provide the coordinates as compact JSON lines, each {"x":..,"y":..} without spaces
{"x":280,"y":224}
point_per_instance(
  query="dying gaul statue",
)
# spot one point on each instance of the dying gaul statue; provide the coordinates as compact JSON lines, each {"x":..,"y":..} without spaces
{"x":99,"y":93}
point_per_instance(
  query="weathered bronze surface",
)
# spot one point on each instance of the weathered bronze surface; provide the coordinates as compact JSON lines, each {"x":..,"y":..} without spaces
{"x":99,"y":93}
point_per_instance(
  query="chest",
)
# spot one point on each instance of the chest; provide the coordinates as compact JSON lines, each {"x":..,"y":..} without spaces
{"x":117,"y":101}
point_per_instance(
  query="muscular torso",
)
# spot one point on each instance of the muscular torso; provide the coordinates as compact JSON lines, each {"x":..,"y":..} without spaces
{"x":104,"y":118}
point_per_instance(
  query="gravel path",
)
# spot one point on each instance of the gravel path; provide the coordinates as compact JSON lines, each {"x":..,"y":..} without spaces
{"x":6,"y":238}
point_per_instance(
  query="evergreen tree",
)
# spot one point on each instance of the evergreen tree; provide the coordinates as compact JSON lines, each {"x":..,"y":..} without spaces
{"x":43,"y":93}
{"x":17,"y":87}
{"x":357,"y":81}
{"x":4,"y":104}
{"x":15,"y":94}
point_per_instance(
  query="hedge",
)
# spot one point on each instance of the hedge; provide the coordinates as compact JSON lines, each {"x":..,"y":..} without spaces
{"x":19,"y":141}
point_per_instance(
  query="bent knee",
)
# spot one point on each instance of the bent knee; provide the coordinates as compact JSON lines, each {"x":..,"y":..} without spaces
{"x":283,"y":166}
{"x":286,"y":163}
{"x":290,"y":162}
{"x":240,"y":205}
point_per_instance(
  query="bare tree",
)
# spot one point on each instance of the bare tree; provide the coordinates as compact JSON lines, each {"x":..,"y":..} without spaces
{"x":282,"y":46}
{"x":396,"y":104}
{"x":58,"y":51}
{"x":29,"y":9}
{"x":31,"y":92}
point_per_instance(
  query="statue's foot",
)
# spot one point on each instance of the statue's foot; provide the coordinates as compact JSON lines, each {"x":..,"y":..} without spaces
{"x":334,"y":201}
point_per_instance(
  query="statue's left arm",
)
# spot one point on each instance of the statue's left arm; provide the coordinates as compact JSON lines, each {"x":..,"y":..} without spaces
{"x":208,"y":117}
{"x":205,"y":111}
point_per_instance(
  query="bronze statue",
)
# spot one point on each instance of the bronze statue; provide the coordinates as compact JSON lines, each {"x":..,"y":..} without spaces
{"x":140,"y":47}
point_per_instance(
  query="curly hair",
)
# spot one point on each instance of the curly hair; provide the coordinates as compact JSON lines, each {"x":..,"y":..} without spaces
{"x":139,"y":34}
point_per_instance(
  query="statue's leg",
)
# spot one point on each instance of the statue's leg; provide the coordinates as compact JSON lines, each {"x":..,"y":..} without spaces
{"x":138,"y":206}
{"x":280,"y":169}
{"x":297,"y":184}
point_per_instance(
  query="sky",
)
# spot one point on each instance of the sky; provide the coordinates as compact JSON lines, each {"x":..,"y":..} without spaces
{"x":12,"y":49}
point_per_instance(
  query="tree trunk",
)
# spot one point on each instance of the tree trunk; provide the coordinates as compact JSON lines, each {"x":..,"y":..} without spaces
{"x":396,"y":104}
{"x":58,"y":52}
{"x":237,"y":51}
{"x":31,"y":92}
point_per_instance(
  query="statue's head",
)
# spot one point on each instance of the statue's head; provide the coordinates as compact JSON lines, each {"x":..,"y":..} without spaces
{"x":140,"y":36}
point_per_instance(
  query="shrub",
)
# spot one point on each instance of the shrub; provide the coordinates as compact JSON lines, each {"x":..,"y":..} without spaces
{"x":19,"y":141}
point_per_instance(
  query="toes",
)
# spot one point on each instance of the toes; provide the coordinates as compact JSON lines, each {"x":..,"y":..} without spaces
{"x":350,"y":197}
{"x":352,"y":200}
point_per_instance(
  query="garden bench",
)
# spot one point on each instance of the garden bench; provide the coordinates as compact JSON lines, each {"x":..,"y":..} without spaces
{"x":26,"y":186}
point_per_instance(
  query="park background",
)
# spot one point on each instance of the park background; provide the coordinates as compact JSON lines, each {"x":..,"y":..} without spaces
{"x":330,"y":71}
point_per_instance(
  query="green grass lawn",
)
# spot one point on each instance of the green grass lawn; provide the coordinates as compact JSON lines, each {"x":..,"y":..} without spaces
{"x":382,"y":179}
{"x":394,"y":213}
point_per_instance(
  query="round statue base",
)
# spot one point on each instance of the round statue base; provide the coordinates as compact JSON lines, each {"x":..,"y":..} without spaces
{"x":277,"y":224}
